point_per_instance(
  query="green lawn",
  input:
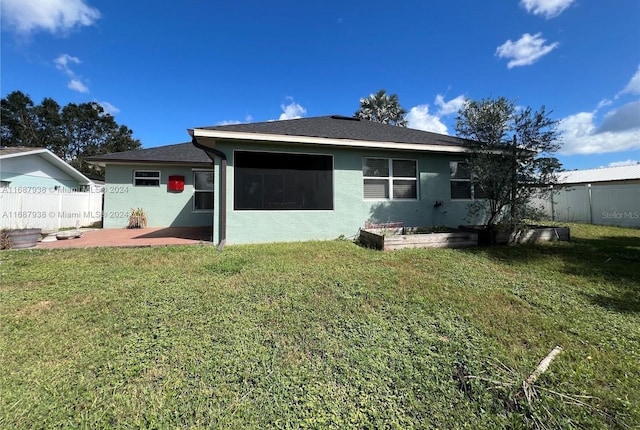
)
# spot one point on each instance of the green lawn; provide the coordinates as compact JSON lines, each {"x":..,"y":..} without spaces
{"x":322,"y":335}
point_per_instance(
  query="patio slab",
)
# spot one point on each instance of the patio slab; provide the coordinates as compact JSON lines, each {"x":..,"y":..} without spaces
{"x":122,"y":237}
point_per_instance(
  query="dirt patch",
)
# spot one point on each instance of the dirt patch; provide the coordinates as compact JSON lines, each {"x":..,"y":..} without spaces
{"x":35,"y":309}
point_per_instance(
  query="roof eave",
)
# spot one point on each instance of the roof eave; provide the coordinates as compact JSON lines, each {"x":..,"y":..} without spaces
{"x":104,"y":162}
{"x":280,"y":138}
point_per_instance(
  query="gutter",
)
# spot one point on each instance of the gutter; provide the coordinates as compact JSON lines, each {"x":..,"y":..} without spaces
{"x":212,"y":153}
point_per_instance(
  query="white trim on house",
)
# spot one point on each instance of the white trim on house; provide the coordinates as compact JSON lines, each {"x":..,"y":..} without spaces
{"x":283,"y":138}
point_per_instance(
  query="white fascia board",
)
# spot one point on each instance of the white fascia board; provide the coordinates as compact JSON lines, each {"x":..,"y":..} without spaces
{"x":276,"y":138}
{"x":21,"y":154}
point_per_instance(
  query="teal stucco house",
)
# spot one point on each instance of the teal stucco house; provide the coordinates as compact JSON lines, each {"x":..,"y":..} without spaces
{"x":292,"y":180}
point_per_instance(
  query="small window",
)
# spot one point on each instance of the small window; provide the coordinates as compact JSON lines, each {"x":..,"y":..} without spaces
{"x":146,"y":178}
{"x":5,"y":184}
{"x":203,"y":190}
{"x":462,"y":188}
{"x":385,"y":178}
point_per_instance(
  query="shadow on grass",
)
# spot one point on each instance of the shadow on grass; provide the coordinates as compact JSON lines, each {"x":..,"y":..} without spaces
{"x":612,"y":259}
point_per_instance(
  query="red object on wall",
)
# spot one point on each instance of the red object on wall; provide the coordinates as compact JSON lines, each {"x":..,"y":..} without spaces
{"x":176,"y":183}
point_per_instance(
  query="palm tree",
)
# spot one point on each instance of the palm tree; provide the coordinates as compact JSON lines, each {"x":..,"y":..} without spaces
{"x":383,"y":108}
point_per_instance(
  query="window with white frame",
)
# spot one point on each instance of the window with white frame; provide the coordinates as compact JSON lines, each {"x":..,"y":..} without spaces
{"x":203,"y":190}
{"x":391,"y":179}
{"x":462,"y":187}
{"x":146,"y":178}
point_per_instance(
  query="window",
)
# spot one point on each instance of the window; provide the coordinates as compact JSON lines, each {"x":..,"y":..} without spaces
{"x":203,"y":190}
{"x":386,"y":178}
{"x":5,"y":184}
{"x":461,"y":185}
{"x":282,"y":181}
{"x":146,"y":178}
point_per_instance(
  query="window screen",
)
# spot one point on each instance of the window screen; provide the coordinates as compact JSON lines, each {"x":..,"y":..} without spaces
{"x":146,"y":178}
{"x":282,"y":181}
{"x":385,"y":178}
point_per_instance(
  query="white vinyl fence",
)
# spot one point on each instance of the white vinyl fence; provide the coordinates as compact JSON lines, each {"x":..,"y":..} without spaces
{"x":617,"y":205}
{"x":49,"y":210}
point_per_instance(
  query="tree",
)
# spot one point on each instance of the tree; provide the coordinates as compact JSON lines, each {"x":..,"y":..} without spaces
{"x":383,"y":108}
{"x":18,"y":120}
{"x":73,"y":133}
{"x":512,"y":159}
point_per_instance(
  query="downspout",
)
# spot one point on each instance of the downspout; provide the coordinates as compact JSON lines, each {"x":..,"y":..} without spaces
{"x":212,"y":152}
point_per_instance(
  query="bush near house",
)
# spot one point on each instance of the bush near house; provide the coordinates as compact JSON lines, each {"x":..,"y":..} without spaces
{"x":323,"y":335}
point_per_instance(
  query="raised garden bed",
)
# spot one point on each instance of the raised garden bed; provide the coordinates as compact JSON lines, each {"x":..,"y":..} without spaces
{"x":526,"y":234}
{"x":19,"y":238}
{"x":388,"y":239}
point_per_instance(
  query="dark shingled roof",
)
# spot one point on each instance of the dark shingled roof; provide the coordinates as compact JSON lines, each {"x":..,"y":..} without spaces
{"x":341,"y":127}
{"x":330,"y":127}
{"x":181,"y":153}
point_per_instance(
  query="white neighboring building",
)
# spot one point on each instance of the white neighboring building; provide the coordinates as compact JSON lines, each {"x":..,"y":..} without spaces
{"x":40,"y":190}
{"x":605,"y":196}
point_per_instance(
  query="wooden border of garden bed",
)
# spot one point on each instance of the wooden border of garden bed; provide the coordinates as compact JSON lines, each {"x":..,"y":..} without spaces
{"x":374,"y":238}
{"x":528,"y":234}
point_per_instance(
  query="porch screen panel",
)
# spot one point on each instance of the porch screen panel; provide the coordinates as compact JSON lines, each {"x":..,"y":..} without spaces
{"x":203,"y":190}
{"x":282,"y":181}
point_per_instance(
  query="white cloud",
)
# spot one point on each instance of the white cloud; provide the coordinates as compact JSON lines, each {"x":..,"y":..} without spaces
{"x":626,"y":117}
{"x":292,"y":111}
{"x":603,"y":103}
{"x":619,"y":130}
{"x":452,"y":106}
{"x":525,"y":51}
{"x":54,"y":16}
{"x":247,"y":119}
{"x":580,"y":136}
{"x":633,"y":87}
{"x":547,"y":8}
{"x":76,"y":85}
{"x":62,"y":63}
{"x":623,"y":163}
{"x":420,"y":118}
{"x":109,"y":108}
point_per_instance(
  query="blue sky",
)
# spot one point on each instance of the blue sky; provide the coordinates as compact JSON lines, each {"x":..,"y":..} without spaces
{"x":163,"y":67}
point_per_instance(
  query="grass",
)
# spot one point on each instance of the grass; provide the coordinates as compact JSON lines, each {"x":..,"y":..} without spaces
{"x":322,"y":335}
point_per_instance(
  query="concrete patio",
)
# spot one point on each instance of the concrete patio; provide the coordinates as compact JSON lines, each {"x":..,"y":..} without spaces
{"x":144,"y":237}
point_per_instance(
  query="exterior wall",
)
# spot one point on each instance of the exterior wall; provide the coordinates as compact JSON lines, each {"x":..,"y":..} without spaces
{"x":35,"y":172}
{"x":350,"y":210}
{"x":163,"y":207}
